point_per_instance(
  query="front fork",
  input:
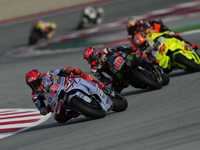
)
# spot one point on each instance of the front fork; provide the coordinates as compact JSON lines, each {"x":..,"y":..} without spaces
{"x":60,"y":104}
{"x":160,"y":72}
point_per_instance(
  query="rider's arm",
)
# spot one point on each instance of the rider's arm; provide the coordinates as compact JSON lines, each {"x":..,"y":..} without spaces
{"x":131,"y":34}
{"x":77,"y":73}
{"x":119,"y":48}
{"x":101,"y":77}
{"x":194,"y":46}
{"x":50,"y":34}
{"x":39,"y":102}
{"x":131,"y":49}
{"x":152,"y":59}
{"x":171,"y":34}
{"x":63,"y":71}
{"x":177,"y":36}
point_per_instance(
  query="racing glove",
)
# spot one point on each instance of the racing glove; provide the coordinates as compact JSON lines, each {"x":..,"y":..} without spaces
{"x":153,"y":60}
{"x":195,"y":46}
{"x":140,"y":53}
{"x":68,"y":70}
{"x":46,"y":110}
{"x":171,"y":33}
{"x":144,"y":55}
{"x":101,"y":85}
{"x":132,"y":48}
{"x":65,"y":71}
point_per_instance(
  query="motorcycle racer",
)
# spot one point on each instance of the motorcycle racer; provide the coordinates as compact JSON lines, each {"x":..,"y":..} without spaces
{"x":144,"y":26}
{"x":152,"y":45}
{"x":96,"y":15}
{"x":40,"y":85}
{"x":96,"y":59}
{"x":135,"y":26}
{"x":48,"y":28}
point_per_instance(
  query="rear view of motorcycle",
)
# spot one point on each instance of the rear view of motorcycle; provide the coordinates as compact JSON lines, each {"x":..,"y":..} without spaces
{"x":84,"y":22}
{"x":41,"y":30}
{"x":84,"y":97}
{"x":35,"y":35}
{"x":90,"y":16}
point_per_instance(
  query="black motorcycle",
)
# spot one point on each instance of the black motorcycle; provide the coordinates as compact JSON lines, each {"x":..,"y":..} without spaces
{"x":137,"y":71}
{"x":35,"y":35}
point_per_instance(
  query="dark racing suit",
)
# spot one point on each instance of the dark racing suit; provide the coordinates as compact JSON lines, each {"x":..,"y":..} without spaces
{"x":116,"y":84}
{"x":48,"y":78}
{"x":145,"y":26}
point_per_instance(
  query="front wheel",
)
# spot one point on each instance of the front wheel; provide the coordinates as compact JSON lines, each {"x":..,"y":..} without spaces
{"x":33,"y":39}
{"x":119,"y":103}
{"x":165,"y":79}
{"x":88,"y":111}
{"x":84,"y":23}
{"x":191,"y":65}
{"x":146,"y":80}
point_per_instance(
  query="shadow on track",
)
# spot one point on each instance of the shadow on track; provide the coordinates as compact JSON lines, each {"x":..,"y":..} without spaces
{"x":55,"y":124}
{"x":178,"y":73}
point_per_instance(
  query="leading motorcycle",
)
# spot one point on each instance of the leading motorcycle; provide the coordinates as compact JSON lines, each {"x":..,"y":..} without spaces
{"x":90,"y":16}
{"x":84,"y":97}
{"x":174,"y":54}
{"x":84,"y":22}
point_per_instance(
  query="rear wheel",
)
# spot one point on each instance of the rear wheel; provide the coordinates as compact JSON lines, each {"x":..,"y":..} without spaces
{"x":87,"y":110}
{"x":83,"y":24}
{"x":80,"y":26}
{"x":191,"y":65}
{"x":146,"y":80}
{"x":33,"y":38}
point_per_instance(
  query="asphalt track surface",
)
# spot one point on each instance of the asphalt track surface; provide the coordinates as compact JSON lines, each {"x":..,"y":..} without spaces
{"x":165,"y":119}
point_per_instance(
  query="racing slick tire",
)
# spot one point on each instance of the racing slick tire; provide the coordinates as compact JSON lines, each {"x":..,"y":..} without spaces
{"x":191,"y":65}
{"x":165,"y":79}
{"x":87,"y":110}
{"x":120,"y":103}
{"x":146,"y":80}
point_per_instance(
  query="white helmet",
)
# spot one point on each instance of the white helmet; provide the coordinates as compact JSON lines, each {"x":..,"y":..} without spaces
{"x":91,"y":12}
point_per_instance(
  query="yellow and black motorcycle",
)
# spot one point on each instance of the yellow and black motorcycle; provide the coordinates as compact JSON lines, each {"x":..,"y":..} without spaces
{"x":173,"y":54}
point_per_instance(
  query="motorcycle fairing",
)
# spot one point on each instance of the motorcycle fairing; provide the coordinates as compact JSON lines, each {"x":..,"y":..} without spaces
{"x":77,"y":84}
{"x":90,"y":88}
{"x":189,"y":55}
{"x":53,"y":93}
{"x":176,"y":46}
